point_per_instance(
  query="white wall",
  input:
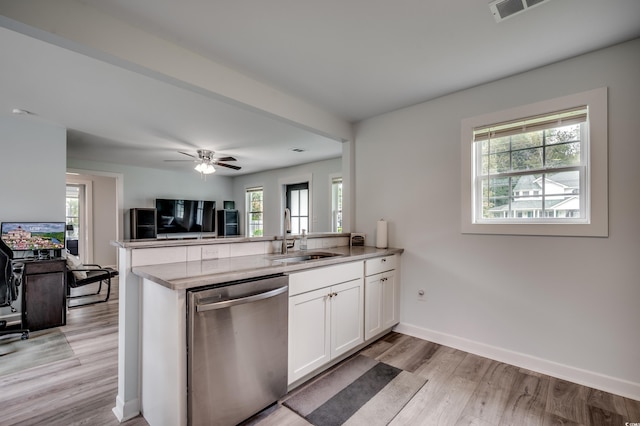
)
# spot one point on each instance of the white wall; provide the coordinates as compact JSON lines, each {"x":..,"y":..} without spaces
{"x":319,"y":171}
{"x":143,"y":185}
{"x":32,"y":172}
{"x":569,"y":306}
{"x":32,"y":159}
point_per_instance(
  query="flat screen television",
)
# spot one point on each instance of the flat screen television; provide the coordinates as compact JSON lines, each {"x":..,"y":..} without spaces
{"x":33,"y":236}
{"x":185,"y":216}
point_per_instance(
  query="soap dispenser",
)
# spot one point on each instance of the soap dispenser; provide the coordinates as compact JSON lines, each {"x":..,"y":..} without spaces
{"x":303,"y":240}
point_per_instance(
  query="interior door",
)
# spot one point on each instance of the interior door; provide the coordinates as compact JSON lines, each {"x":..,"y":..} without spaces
{"x":297,"y":201}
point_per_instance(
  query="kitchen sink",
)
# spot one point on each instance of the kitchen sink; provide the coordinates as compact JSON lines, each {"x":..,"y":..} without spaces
{"x":303,"y":256}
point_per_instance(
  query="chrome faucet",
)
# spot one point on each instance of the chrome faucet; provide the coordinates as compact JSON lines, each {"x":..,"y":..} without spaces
{"x":286,"y":228}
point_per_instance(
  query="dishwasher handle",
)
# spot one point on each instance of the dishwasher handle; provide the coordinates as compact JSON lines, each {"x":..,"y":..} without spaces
{"x":241,"y":300}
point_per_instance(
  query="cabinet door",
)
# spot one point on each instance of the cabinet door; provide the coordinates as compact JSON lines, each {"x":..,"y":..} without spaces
{"x":390,"y":302}
{"x":381,"y":303}
{"x":373,"y":306}
{"x":309,"y":332}
{"x":44,"y":301}
{"x":347,"y":303}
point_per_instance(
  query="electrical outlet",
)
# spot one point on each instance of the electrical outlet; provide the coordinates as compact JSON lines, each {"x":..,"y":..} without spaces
{"x":421,"y":295}
{"x":209,"y":252}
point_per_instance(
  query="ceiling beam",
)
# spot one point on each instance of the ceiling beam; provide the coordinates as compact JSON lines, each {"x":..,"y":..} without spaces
{"x":82,"y":28}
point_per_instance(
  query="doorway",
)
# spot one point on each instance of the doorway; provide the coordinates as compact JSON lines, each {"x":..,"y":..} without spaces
{"x":297,"y":201}
{"x":96,"y":222}
{"x":79,"y":199}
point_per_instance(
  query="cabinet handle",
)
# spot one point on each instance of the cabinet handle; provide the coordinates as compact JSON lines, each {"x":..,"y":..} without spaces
{"x":384,"y":259}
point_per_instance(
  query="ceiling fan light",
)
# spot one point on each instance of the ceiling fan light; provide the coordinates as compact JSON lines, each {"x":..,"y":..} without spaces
{"x":205,"y":168}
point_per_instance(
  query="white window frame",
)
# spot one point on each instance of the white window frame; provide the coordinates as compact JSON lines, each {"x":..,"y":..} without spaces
{"x":247,"y":192}
{"x":595,"y":191}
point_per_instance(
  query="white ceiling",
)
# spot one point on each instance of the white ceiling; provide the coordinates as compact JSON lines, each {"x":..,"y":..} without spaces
{"x":353,"y":58}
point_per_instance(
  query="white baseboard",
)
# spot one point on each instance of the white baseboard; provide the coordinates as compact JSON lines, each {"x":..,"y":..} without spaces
{"x":126,"y":410}
{"x":565,"y":372}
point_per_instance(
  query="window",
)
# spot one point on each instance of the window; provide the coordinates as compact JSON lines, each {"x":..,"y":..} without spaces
{"x":534,"y":168}
{"x":336,"y":204}
{"x":255,"y":212}
{"x":538,"y":169}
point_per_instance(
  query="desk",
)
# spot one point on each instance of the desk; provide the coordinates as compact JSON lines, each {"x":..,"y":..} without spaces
{"x":44,"y":294}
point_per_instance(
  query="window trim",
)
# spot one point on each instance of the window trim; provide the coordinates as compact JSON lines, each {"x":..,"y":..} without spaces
{"x":598,"y":225}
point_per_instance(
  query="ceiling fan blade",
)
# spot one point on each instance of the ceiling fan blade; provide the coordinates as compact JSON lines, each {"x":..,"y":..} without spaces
{"x":190,"y":155}
{"x":181,"y":161}
{"x":227,"y":165}
{"x":225,"y":159}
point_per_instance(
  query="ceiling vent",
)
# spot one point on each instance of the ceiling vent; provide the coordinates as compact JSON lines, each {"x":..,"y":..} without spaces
{"x":503,"y":9}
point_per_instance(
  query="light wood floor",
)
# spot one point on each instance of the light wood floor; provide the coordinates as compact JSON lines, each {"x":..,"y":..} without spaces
{"x":462,"y":388}
{"x":77,"y":391}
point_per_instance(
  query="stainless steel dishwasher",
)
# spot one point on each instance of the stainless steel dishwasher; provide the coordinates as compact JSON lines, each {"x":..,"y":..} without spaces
{"x":236,"y":349}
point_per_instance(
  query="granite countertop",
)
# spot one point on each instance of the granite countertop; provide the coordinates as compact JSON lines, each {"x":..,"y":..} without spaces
{"x":186,"y":275}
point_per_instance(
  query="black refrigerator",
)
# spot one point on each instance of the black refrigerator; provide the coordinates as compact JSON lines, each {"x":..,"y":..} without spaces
{"x":228,"y":223}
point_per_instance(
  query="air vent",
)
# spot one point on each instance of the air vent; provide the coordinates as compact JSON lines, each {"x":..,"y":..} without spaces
{"x":503,"y":9}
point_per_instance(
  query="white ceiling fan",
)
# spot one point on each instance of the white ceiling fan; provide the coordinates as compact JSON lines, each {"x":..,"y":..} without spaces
{"x":206,"y":162}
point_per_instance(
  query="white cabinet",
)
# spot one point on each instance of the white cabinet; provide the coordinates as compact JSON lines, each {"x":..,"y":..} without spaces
{"x":381,"y":296}
{"x":326,"y":311}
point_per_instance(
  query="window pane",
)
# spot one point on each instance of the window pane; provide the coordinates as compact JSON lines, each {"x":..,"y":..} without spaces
{"x":565,"y":154}
{"x":499,"y":144}
{"x":295,"y":203}
{"x":499,"y":163}
{"x":304,"y":202}
{"x":526,"y":140}
{"x":496,"y":194}
{"x":526,"y":159}
{"x":526,"y":208}
{"x":295,"y":225}
{"x":563,"y":183}
{"x":566,"y":207}
{"x":562,"y":134}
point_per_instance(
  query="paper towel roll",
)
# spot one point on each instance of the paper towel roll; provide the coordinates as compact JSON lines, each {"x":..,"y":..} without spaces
{"x":381,"y":234}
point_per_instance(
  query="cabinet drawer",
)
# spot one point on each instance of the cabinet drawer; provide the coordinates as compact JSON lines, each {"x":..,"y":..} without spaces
{"x":379,"y":264}
{"x":313,"y":279}
{"x":44,"y":267}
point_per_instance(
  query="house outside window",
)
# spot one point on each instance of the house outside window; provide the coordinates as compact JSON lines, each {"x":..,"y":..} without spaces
{"x":539,"y":169}
{"x":255,"y":212}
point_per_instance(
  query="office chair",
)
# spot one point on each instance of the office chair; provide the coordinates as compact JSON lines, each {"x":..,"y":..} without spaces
{"x":9,"y":283}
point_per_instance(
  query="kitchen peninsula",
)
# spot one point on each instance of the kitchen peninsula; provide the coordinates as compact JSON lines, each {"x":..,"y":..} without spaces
{"x":155,"y":276}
